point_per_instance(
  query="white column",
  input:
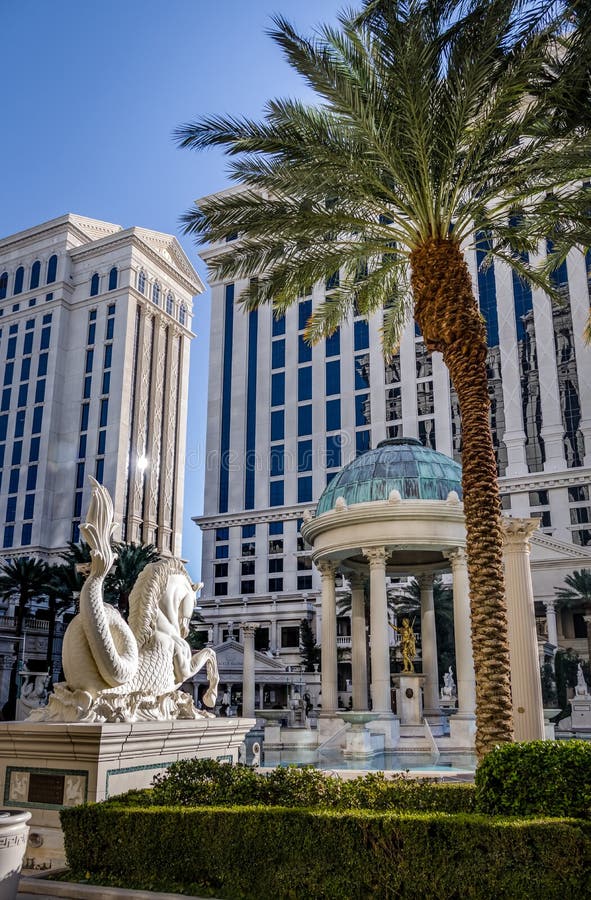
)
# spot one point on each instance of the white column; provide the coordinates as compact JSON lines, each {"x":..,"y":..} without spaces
{"x":526,"y":688}
{"x":378,"y":625}
{"x":514,"y":436}
{"x":465,"y":678}
{"x":551,"y":621}
{"x":248,"y":676}
{"x":358,"y":644}
{"x":429,"y":644}
{"x":329,"y":637}
{"x":579,"y":302}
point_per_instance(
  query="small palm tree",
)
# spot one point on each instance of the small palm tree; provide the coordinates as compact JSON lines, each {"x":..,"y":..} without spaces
{"x":131,"y":559}
{"x":577,"y":595}
{"x":435,"y":133}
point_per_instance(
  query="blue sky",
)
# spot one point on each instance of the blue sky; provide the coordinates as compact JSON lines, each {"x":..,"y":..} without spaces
{"x":92,"y":93}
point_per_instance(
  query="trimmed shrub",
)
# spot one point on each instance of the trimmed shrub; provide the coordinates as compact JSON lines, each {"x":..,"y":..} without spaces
{"x":279,"y":854}
{"x":537,"y":778}
{"x":204,"y":782}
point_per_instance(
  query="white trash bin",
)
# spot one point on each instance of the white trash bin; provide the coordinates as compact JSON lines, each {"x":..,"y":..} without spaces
{"x":14,"y":832}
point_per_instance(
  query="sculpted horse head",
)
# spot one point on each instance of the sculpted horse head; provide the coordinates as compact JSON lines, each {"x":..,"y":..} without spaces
{"x":163,"y":588}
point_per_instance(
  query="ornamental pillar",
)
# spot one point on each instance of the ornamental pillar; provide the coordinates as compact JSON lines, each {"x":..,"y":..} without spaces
{"x":378,"y":625}
{"x":526,"y":689}
{"x":465,"y":678}
{"x":429,"y":644}
{"x":248,"y":669}
{"x":550,"y":606}
{"x":358,"y":643}
{"x":328,"y":678}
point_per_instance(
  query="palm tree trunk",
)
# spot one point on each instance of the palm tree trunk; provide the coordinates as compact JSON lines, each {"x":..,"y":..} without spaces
{"x":448,"y":316}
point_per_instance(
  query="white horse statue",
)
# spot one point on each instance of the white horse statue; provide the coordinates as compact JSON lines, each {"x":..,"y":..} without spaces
{"x":118,"y":671}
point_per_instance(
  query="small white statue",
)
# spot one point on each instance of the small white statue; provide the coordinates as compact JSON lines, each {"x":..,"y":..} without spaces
{"x":118,"y":671}
{"x":581,"y":689}
{"x":34,"y":689}
{"x":448,"y":691}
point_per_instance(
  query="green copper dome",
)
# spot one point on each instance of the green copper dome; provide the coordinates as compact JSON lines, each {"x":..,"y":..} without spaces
{"x":400,"y":464}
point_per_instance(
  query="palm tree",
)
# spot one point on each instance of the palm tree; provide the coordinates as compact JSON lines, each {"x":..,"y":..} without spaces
{"x":23,"y":579}
{"x":577,"y":594}
{"x":428,"y":140}
{"x":130,"y":560}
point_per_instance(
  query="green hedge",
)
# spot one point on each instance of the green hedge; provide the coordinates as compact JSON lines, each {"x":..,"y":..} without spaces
{"x":537,"y":778}
{"x":284,"y":854}
{"x":205,"y":782}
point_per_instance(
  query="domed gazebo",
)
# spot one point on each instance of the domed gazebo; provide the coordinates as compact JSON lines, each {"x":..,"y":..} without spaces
{"x":395,"y":510}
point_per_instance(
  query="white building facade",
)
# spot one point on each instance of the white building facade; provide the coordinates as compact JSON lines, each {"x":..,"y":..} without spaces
{"x":95,"y":328}
{"x":283,"y":418}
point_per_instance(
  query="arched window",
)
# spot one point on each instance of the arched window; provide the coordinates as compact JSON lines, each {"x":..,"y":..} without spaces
{"x":51,"y":269}
{"x":19,"y":277}
{"x":156,"y":293}
{"x":35,"y":275}
{"x":94,"y":285}
{"x":3,"y":285}
{"x":113,"y":275}
{"x":141,"y":282}
{"x":183,"y":314}
{"x":169,"y":303}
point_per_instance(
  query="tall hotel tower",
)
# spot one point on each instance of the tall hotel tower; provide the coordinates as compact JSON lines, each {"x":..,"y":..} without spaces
{"x":95,"y":326}
{"x":284,"y":417}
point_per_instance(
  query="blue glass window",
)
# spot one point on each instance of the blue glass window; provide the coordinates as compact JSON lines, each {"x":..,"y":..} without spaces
{"x":141,"y":282}
{"x":82,"y":447}
{"x":91,"y":333}
{"x":26,"y":534}
{"x":113,"y":278}
{"x":278,"y":389}
{"x":277,"y":460}
{"x":5,"y":406}
{"x":304,"y":420}
{"x":304,"y":456}
{"x":362,"y":412}
{"x":99,"y":471}
{"x":275,"y":528}
{"x":249,"y":531}
{"x":305,"y":383}
{"x":84,"y":417}
{"x":77,"y":504}
{"x":11,"y":348}
{"x":362,"y":442}
{"x":29,"y":506}
{"x":47,"y":318}
{"x":156,"y":293}
{"x":37,"y":420}
{"x":34,"y":449}
{"x":304,"y":313}
{"x":226,"y":397}
{"x":487,"y":290}
{"x":51,"y":269}
{"x":35,"y":275}
{"x":333,"y":377}
{"x":3,"y":285}
{"x":102,"y":441}
{"x":89,"y":361}
{"x":108,"y":356}
{"x":87,"y":387}
{"x":169,"y":304}
{"x":80,"y":475}
{"x":3,"y":427}
{"x":8,"y":536}
{"x":332,"y":344}
{"x":333,"y":415}
{"x":8,"y":373}
{"x":104,"y":413}
{"x":31,"y":478}
{"x":40,"y":391}
{"x":333,"y":281}
{"x":28,"y":343}
{"x":278,"y":354}
{"x":277,"y":425}
{"x":222,"y":551}
{"x":304,"y":350}
{"x":94,"y":285}
{"x":304,"y":489}
{"x":110,"y":329}
{"x":17,"y":452}
{"x":45,"y":336}
{"x":278,"y":325}
{"x":276,"y":493}
{"x":22,"y":395}
{"x":362,"y":372}
{"x":30,"y":324}
{"x":13,"y":482}
{"x":106,"y":386}
{"x":183,"y":314}
{"x":19,"y":423}
{"x":333,"y":451}
{"x":19,"y":277}
{"x":222,"y":534}
{"x":42,"y":367}
{"x":361,"y":335}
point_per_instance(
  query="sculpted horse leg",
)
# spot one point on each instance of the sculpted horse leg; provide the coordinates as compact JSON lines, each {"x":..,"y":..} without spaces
{"x":207,"y":658}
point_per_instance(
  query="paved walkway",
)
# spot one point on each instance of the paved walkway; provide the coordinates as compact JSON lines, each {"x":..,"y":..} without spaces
{"x":34,"y":887}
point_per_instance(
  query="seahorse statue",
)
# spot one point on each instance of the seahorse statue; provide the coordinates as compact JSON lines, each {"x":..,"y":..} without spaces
{"x":120,"y":671}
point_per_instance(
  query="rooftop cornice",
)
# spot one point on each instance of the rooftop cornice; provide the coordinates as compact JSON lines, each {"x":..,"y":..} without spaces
{"x":536,"y":481}
{"x":252,"y":517}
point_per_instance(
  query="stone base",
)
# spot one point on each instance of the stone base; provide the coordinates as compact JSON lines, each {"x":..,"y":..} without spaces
{"x":409,"y":697}
{"x":389,"y":727}
{"x":581,"y":712}
{"x":46,"y":766}
{"x":462,"y":730}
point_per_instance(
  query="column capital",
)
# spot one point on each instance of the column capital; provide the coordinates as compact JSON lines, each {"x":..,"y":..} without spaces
{"x":517,"y":532}
{"x":326,"y":567}
{"x":425,"y":580}
{"x":550,"y":604}
{"x":457,"y":557}
{"x":356,"y":581}
{"x":376,"y":556}
{"x":248,"y":628}
{"x":587,"y":619}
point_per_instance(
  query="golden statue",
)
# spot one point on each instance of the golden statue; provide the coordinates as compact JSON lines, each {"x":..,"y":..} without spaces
{"x":408,"y":644}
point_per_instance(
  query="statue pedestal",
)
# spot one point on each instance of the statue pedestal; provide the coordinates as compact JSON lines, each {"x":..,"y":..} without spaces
{"x":581,"y":712}
{"x":409,"y":697}
{"x":45,"y":766}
